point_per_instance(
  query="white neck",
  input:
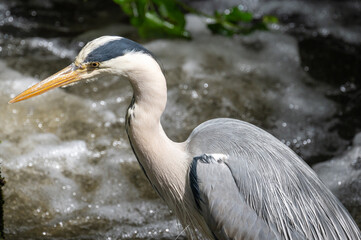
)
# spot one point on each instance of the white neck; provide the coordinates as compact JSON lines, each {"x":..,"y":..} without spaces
{"x":164,"y":161}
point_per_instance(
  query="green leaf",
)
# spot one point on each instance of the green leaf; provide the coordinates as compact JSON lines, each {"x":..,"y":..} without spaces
{"x":165,"y":18}
{"x":170,"y":11}
{"x":232,"y":21}
{"x":268,"y":19}
{"x":140,"y":8}
{"x":154,"y":26}
{"x":221,"y":29}
{"x":236,"y":15}
{"x":126,"y":6}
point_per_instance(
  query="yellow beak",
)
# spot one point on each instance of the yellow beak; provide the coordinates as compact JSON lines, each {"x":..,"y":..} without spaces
{"x":64,"y":77}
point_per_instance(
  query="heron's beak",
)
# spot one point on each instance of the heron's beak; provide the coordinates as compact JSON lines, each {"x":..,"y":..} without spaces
{"x":68,"y":75}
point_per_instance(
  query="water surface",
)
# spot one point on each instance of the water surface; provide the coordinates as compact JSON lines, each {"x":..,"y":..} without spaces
{"x":69,"y":168}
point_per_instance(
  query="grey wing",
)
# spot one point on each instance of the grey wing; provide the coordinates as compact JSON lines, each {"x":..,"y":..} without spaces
{"x":249,"y":185}
{"x":222,"y":205}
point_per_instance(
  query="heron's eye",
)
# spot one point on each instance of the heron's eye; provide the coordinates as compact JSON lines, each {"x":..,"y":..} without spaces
{"x":94,"y":64}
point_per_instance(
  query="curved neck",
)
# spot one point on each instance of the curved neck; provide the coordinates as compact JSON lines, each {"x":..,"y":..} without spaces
{"x":163,"y":160}
{"x":150,"y":92}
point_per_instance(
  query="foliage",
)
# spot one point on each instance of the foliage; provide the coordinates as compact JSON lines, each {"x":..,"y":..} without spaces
{"x":158,"y":18}
{"x":236,"y":21}
{"x":155,"y":18}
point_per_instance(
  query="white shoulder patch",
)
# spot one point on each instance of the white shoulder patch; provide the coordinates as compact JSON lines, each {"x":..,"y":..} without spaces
{"x":218,"y":156}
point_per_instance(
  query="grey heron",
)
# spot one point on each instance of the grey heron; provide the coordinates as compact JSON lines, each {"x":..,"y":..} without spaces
{"x":229,"y":179}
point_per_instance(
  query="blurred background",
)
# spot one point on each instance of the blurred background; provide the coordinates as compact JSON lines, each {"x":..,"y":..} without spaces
{"x":290,"y":67}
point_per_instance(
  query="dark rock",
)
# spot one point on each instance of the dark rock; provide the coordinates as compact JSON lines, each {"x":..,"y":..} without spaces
{"x":51,"y":18}
{"x":342,"y":175}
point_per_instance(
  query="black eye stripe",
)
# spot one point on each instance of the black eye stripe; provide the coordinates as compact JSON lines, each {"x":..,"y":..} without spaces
{"x":114,"y":49}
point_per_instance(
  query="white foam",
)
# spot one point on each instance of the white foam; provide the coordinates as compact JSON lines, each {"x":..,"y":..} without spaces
{"x":66,"y":153}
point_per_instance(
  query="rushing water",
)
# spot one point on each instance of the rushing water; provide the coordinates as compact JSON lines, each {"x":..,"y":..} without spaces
{"x":69,"y":169}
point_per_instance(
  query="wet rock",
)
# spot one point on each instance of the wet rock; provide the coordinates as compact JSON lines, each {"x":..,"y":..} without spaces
{"x":342,"y":175}
{"x":357,"y":140}
{"x":49,"y":18}
{"x":278,"y":80}
{"x":335,"y":62}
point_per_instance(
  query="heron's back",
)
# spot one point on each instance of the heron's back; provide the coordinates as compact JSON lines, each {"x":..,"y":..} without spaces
{"x":279,"y":186}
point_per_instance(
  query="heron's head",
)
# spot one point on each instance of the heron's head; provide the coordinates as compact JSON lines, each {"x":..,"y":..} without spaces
{"x":104,"y":55}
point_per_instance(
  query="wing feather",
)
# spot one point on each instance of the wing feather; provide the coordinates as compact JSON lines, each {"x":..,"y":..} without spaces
{"x":217,"y":203}
{"x":263,"y":178}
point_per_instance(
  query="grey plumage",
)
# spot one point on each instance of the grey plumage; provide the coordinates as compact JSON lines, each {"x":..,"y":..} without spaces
{"x":229,"y":179}
{"x":224,"y":207}
{"x":263,"y":177}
